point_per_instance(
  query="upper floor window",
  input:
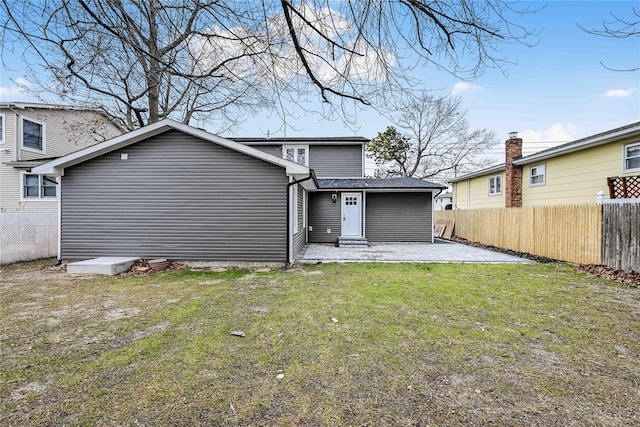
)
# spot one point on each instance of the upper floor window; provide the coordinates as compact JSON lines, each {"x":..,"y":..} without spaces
{"x":537,"y":175}
{"x":1,"y":128}
{"x":32,"y":135}
{"x":296,"y":153}
{"x":631,"y":157}
{"x":495,"y":185}
{"x":38,"y":187}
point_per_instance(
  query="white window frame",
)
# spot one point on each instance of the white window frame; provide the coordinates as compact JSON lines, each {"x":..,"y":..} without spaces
{"x":498,"y":178}
{"x":40,"y":197}
{"x":295,"y":151}
{"x":4,"y":127}
{"x":44,"y":134}
{"x":542,"y":166}
{"x":625,"y":158}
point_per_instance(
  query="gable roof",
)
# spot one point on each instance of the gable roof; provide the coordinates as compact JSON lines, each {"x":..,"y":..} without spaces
{"x":323,"y":140}
{"x":377,"y":184}
{"x":60,"y":107}
{"x":627,"y":131}
{"x":602,"y":138}
{"x":56,"y":167}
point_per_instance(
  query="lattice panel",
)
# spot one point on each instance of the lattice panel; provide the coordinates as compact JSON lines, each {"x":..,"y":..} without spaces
{"x":624,"y":187}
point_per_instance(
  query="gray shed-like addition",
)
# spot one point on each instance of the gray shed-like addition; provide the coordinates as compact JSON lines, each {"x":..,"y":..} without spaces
{"x":175,"y":195}
{"x":393,"y":209}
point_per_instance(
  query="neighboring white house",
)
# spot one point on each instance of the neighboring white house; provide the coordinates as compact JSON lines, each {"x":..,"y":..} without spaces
{"x":31,"y":134}
{"x":442,"y":200}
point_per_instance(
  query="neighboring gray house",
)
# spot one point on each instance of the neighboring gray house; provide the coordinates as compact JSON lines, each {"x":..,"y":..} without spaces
{"x":169,"y":190}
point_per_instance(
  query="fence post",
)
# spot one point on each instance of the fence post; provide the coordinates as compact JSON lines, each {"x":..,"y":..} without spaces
{"x":601,"y":197}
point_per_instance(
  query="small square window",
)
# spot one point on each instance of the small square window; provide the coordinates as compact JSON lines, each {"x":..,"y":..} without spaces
{"x":495,"y":185}
{"x":32,"y":135}
{"x":296,"y":153}
{"x":537,"y":175}
{"x":631,"y":155}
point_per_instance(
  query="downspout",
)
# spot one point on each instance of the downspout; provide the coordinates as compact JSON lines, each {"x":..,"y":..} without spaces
{"x":312,"y":175}
{"x":433,"y":202}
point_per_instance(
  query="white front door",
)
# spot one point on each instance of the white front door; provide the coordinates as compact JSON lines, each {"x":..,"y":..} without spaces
{"x":351,"y":214}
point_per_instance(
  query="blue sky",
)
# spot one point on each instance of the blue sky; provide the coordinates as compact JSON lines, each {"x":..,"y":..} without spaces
{"x":557,"y":90}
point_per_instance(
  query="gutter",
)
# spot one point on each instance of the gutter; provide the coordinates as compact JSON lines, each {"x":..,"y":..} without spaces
{"x":312,"y":176}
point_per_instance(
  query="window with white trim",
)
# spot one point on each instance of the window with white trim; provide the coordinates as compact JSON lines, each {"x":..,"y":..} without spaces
{"x":631,"y":157}
{"x":39,"y":186}
{"x":537,"y":175}
{"x":296,"y":153}
{"x":32,"y":135}
{"x":495,"y":185}
{"x":1,"y":128}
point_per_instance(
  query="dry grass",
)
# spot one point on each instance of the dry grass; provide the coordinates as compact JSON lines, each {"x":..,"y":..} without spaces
{"x":414,"y":344}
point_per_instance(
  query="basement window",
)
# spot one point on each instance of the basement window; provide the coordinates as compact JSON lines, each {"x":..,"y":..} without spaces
{"x":39,"y":187}
{"x":631,"y":157}
{"x":537,"y":175}
{"x":495,"y":185}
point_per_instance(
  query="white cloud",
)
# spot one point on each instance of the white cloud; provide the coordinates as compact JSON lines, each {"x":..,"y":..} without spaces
{"x":15,"y":90}
{"x":331,"y":64}
{"x":464,"y":87}
{"x":620,"y":93}
{"x":9,"y":91}
{"x":536,"y":140}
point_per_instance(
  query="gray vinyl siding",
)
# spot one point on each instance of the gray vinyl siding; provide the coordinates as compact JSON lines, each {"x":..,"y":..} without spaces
{"x":398,"y":217}
{"x":276,"y":149}
{"x":323,"y":214}
{"x":300,"y":238}
{"x":336,"y":161}
{"x":176,"y":197}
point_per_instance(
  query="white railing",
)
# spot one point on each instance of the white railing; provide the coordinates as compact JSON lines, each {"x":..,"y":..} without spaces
{"x":26,"y":236}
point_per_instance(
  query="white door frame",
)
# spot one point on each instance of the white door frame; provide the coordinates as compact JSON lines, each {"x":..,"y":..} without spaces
{"x":343,"y":213}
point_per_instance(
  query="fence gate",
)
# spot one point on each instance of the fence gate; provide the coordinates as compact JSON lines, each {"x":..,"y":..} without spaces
{"x":621,"y":236}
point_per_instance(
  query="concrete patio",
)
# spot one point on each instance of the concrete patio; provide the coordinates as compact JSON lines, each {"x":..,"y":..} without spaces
{"x":441,"y":251}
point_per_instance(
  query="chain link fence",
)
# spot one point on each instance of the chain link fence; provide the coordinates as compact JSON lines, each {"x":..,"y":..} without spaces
{"x":27,"y":236}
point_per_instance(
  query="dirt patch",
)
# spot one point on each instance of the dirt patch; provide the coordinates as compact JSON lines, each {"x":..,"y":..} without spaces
{"x":121,"y":313}
{"x":142,"y":268}
{"x":622,"y":276}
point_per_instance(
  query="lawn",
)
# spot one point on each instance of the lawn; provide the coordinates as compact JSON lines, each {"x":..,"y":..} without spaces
{"x":414,"y":344}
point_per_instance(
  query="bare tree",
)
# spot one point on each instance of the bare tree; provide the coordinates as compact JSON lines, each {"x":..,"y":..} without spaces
{"x":434,"y":141}
{"x":619,"y":28}
{"x":221,"y":60}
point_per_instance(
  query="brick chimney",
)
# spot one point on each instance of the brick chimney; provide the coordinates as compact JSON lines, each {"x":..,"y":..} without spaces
{"x":513,"y":173}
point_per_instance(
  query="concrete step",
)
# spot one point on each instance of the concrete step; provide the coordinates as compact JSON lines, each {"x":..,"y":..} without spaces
{"x":352,"y":241}
{"x":109,"y":266}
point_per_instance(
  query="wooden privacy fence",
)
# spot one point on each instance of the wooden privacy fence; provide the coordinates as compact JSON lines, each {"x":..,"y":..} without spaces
{"x":568,"y":233}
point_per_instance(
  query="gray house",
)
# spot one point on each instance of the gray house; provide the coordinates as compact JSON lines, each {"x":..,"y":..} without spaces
{"x":169,"y":190}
